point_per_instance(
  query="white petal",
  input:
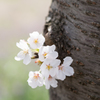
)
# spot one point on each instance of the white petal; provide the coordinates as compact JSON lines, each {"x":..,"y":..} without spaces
{"x":43,"y":66}
{"x":27,"y":59}
{"x":67,"y":61}
{"x":41,"y":39}
{"x":21,"y":55}
{"x":47,"y":83}
{"x":53,"y":72}
{"x":47,"y":86}
{"x":31,"y":73}
{"x":45,"y":49}
{"x":61,"y":75}
{"x":52,"y":55}
{"x":34,"y":34}
{"x":55,"y":63}
{"x":41,"y":58}
{"x":39,"y":45}
{"x":19,"y":45}
{"x":54,"y":83}
{"x":32,"y":84}
{"x":52,"y":48}
{"x":22,"y":44}
{"x":44,"y":71}
{"x":40,"y":82}
{"x":32,"y":44}
{"x":17,"y":58}
{"x":68,"y":71}
{"x":30,"y":53}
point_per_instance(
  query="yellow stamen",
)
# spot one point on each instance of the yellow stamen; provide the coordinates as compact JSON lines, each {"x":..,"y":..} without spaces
{"x":45,"y":54}
{"x":35,"y":41}
{"x":48,"y":67}
{"x":36,"y":76}
{"x":25,"y":51}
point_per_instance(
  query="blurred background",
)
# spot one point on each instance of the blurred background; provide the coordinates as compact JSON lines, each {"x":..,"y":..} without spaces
{"x":18,"y":18}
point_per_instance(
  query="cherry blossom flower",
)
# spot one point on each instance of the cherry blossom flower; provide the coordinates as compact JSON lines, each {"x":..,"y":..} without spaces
{"x":50,"y":81}
{"x":47,"y":52}
{"x":35,"y":79}
{"x":36,"y":40}
{"x":65,"y":69}
{"x":50,"y":67}
{"x":25,"y":54}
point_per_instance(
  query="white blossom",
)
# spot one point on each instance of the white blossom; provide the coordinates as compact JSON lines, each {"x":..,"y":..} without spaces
{"x":35,"y":79}
{"x":65,"y":69}
{"x":25,"y":54}
{"x":36,"y":40}
{"x":50,"y":81}
{"x":47,"y":52}
{"x":50,"y":67}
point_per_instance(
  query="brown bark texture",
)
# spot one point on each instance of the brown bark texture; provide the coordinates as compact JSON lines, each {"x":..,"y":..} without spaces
{"x":74,"y":27}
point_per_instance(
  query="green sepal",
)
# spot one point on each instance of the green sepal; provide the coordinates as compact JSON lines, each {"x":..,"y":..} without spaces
{"x":35,"y":50}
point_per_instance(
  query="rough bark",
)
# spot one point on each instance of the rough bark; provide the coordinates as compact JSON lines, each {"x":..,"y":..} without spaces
{"x":74,"y":27}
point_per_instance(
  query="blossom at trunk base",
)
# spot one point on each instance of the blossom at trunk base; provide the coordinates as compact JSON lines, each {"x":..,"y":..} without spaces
{"x":50,"y":81}
{"x":47,"y":52}
{"x":35,"y":79}
{"x":65,"y":69}
{"x":50,"y":67}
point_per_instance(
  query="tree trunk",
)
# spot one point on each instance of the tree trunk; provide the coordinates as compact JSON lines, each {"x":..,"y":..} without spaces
{"x":74,"y":27}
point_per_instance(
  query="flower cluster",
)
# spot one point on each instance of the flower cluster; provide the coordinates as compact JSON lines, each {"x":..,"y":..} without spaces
{"x":51,"y":68}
